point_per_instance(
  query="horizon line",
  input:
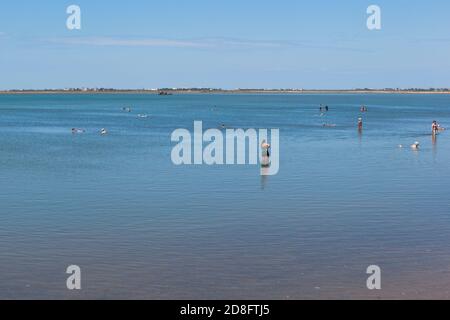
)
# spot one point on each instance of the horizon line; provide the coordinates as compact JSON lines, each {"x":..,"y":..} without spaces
{"x":223,"y":89}
{"x":208,"y":89}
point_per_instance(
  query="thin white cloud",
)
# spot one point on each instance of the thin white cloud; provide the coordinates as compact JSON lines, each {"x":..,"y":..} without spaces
{"x":118,"y":42}
{"x":206,"y":43}
{"x":155,"y":42}
{"x":222,"y":42}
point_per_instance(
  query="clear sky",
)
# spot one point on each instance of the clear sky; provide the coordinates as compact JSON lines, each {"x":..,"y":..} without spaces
{"x":226,"y":44}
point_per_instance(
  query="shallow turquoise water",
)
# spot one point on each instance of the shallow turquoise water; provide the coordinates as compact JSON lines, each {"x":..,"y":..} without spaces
{"x":140,"y":227}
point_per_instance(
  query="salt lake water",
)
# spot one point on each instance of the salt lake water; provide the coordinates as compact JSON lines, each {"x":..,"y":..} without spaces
{"x":141,"y":227}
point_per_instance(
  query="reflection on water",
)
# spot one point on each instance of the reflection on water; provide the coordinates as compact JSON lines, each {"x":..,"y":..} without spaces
{"x":434,"y":144}
{"x":140,"y":227}
{"x":264,"y":178}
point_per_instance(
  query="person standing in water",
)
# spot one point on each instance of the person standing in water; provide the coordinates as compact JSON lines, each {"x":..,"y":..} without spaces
{"x":265,"y":147}
{"x":435,"y":127}
{"x":360,"y":124}
{"x":265,"y":160}
{"x":322,"y":108}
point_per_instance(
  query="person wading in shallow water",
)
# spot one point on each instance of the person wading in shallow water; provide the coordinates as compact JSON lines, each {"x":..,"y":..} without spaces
{"x":434,"y":127}
{"x":265,"y":146}
{"x":265,"y":161}
{"x":360,"y":124}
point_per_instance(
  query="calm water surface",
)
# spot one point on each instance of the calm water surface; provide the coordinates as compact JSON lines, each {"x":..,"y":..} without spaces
{"x":140,"y":227}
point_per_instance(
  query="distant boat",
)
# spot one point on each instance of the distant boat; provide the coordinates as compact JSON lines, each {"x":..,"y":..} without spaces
{"x":143,"y":116}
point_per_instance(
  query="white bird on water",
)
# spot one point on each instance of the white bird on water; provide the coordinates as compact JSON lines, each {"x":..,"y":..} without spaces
{"x":103,"y":131}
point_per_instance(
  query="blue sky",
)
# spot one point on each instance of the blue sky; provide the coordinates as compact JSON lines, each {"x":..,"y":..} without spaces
{"x":227,"y":44}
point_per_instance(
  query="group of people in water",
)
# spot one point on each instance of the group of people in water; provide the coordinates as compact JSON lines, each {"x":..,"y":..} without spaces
{"x":324,"y":108}
{"x":103,"y":131}
{"x":435,"y":129}
{"x":435,"y":126}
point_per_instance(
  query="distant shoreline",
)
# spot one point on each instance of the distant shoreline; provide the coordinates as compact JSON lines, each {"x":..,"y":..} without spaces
{"x":169,"y":92}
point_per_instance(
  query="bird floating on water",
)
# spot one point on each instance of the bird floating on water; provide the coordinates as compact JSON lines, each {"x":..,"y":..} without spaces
{"x":77,"y":130}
